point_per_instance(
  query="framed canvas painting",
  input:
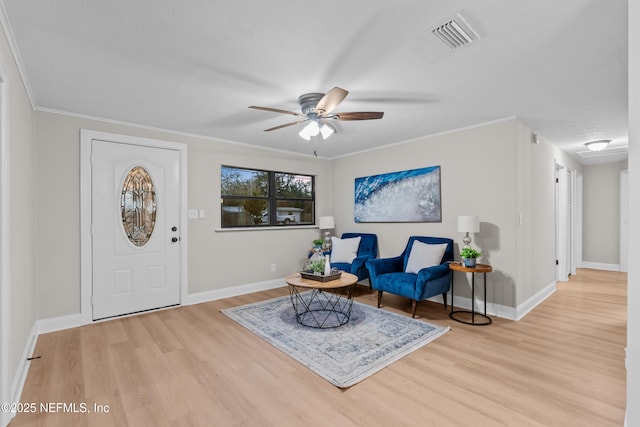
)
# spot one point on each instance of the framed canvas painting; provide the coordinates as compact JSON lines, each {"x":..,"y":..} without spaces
{"x":406,"y":196}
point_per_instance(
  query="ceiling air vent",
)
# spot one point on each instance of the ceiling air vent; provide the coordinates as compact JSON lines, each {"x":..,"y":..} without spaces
{"x":456,"y":32}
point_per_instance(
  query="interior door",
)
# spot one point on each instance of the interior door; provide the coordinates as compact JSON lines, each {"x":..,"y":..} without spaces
{"x":135,"y":236}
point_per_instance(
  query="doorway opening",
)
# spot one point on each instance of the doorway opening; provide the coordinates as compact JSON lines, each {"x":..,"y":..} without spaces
{"x":565,"y":222}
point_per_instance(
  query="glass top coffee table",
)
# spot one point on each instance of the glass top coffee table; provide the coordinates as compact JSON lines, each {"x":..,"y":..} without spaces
{"x":322,"y":304}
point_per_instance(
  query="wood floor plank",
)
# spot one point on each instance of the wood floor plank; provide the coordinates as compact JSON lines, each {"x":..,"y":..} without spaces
{"x":561,"y":365}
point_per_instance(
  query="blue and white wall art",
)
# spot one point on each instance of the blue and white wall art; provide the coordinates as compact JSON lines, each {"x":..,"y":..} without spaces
{"x":407,"y":196}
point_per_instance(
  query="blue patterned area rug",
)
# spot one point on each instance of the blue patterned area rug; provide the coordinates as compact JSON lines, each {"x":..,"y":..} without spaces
{"x":371,"y":340}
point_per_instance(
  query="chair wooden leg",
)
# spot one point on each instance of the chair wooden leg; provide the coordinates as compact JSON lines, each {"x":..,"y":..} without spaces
{"x":379,"y":298}
{"x":414,"y":306}
{"x":444,"y":296}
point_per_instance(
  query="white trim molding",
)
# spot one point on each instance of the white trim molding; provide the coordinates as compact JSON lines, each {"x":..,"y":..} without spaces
{"x":500,"y":310}
{"x":524,"y":308}
{"x":61,"y":323}
{"x":601,"y":266}
{"x":23,"y":367}
{"x":493,"y":309}
{"x":233,"y":291}
{"x":55,"y":324}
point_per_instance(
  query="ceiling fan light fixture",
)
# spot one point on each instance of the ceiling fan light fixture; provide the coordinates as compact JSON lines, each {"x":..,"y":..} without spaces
{"x":597,"y":145}
{"x":311,"y":129}
{"x":327,"y":130}
{"x":317,"y":109}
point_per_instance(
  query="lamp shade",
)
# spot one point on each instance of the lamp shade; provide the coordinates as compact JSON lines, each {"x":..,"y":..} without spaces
{"x":468,"y":224}
{"x":326,"y":223}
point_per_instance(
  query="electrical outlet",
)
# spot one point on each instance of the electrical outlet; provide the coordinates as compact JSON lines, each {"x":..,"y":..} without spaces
{"x":273,"y":268}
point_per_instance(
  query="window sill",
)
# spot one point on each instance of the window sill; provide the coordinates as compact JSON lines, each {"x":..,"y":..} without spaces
{"x":275,"y":227}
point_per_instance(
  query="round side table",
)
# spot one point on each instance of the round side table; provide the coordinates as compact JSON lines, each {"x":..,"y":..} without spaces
{"x":456,"y":314}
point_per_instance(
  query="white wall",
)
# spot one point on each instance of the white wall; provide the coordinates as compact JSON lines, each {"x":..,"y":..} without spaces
{"x":494,"y":171}
{"x":217,"y":259}
{"x":477,"y":178}
{"x":491,"y":170}
{"x":214,"y":265}
{"x":21,"y":212}
{"x":601,"y":214}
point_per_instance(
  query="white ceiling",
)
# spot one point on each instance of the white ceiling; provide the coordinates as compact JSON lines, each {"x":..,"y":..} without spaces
{"x":194,"y":66}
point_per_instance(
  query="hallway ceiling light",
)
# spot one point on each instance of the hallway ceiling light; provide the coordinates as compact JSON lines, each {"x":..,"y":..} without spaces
{"x":597,"y":145}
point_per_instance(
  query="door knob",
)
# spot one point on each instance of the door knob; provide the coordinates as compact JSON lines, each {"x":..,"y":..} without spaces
{"x":174,"y":239}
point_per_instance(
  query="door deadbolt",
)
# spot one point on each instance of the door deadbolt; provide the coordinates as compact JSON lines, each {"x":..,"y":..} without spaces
{"x":174,"y":228}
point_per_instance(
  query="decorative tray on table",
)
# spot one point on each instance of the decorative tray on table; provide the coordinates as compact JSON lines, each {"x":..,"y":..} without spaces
{"x":320,"y":277}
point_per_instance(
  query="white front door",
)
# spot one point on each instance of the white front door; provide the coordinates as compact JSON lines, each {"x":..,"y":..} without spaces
{"x":135,"y":248}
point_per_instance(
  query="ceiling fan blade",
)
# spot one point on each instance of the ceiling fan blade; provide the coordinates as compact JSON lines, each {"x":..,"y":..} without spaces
{"x":331,"y":100}
{"x":360,"y":115}
{"x":276,"y":110}
{"x":284,"y":126}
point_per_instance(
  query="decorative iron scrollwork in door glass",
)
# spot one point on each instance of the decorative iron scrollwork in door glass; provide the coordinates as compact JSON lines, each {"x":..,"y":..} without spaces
{"x":138,"y":206}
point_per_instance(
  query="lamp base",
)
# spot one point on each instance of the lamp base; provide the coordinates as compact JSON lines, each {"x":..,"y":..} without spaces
{"x":467,"y":241}
{"x":327,"y":241}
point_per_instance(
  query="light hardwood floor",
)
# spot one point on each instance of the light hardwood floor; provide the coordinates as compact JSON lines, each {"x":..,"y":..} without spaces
{"x":562,"y":365}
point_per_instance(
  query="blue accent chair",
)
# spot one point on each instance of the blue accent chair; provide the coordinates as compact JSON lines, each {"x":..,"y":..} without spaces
{"x":367,"y":250}
{"x":388,"y":274}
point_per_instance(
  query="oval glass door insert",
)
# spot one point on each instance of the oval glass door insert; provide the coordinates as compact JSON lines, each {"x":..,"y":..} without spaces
{"x":138,"y":206}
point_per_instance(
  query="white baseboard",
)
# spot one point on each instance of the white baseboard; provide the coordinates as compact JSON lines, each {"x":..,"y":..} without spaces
{"x":500,"y":310}
{"x":464,"y":303}
{"x":54,"y":324}
{"x":23,"y":367}
{"x":233,"y":291}
{"x":532,"y":302}
{"x":601,"y":266}
{"x":59,"y":323}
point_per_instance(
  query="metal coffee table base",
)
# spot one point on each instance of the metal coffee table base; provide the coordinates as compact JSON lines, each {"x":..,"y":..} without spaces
{"x":320,"y":308}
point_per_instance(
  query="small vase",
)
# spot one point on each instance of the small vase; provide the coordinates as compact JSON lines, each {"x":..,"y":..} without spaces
{"x":327,"y":266}
{"x":469,"y":262}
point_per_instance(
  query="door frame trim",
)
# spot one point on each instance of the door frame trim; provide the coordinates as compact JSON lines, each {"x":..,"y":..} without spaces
{"x":86,"y":257}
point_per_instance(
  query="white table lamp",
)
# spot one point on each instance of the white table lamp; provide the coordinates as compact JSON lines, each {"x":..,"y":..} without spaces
{"x":468,"y":224}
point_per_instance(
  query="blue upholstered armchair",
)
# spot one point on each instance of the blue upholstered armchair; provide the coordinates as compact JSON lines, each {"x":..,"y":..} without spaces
{"x":368,"y":249}
{"x":420,"y":272}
